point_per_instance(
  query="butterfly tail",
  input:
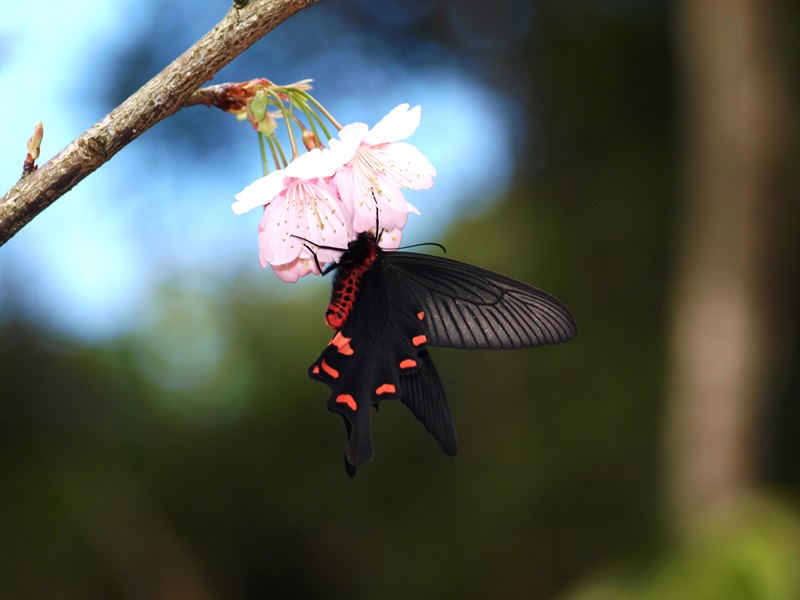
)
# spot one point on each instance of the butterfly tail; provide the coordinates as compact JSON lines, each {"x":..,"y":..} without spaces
{"x":349,"y":467}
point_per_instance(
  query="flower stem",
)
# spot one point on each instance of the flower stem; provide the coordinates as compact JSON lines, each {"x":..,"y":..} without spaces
{"x":308,"y":97}
{"x":264,"y":164}
{"x":287,"y":115}
{"x":276,"y":149}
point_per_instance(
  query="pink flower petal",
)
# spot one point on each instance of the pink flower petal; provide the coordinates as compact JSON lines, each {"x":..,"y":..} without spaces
{"x":391,"y":238}
{"x":311,"y":165}
{"x":411,"y":169}
{"x":299,"y":267}
{"x":392,"y":208}
{"x":308,"y":212}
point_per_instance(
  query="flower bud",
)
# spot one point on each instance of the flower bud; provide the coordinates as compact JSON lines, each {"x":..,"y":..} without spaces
{"x":35,"y":141}
{"x":310,"y":140}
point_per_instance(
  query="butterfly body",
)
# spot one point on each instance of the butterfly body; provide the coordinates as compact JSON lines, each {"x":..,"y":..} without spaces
{"x":360,"y":255}
{"x":387,"y":307}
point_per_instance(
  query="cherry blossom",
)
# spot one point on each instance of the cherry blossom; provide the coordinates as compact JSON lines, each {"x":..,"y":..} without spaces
{"x":322,"y":199}
{"x":301,"y":209}
{"x":375,"y":165}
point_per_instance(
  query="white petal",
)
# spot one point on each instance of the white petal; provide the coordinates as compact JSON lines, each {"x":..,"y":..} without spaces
{"x":350,"y":137}
{"x":397,"y":125}
{"x":260,"y":192}
{"x":314,"y":163}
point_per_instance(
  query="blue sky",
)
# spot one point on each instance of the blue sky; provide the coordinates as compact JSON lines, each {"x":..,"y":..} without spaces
{"x":89,"y":266}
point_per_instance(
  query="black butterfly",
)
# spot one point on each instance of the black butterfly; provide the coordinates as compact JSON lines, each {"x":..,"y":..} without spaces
{"x":388,"y":307}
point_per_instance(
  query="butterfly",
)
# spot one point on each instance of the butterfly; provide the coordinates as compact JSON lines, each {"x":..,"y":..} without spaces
{"x":387,"y":307}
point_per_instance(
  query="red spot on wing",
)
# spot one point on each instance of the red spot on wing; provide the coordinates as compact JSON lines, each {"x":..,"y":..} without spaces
{"x":418,"y":340}
{"x":408,"y":363}
{"x":315,"y":370}
{"x":386,"y":388}
{"x":329,"y":369}
{"x":342,"y":344}
{"x":421,"y":315}
{"x":348,"y":400}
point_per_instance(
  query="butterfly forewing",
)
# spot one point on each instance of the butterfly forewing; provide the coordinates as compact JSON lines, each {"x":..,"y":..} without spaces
{"x":469,"y":307}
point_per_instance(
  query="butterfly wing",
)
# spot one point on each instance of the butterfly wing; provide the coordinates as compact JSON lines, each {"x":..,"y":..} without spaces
{"x":379,"y":354}
{"x":469,"y":307}
{"x":423,"y":394}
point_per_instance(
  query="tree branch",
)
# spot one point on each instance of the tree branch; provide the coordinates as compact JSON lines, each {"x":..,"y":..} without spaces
{"x":162,"y":96}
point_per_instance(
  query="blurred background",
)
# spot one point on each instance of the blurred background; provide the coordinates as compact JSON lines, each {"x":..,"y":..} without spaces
{"x":159,"y":437}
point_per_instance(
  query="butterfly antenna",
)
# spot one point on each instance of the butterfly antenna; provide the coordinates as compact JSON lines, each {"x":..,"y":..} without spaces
{"x":314,"y":254}
{"x":440,"y":246}
{"x":313,"y":247}
{"x":305,"y":240}
{"x":378,"y":230}
{"x":317,"y":246}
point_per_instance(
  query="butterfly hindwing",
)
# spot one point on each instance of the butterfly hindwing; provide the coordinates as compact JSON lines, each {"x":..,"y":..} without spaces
{"x":424,"y":396}
{"x":374,"y":355}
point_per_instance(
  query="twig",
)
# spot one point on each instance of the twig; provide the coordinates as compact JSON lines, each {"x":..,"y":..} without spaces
{"x":162,"y":96}
{"x":230,"y":97}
